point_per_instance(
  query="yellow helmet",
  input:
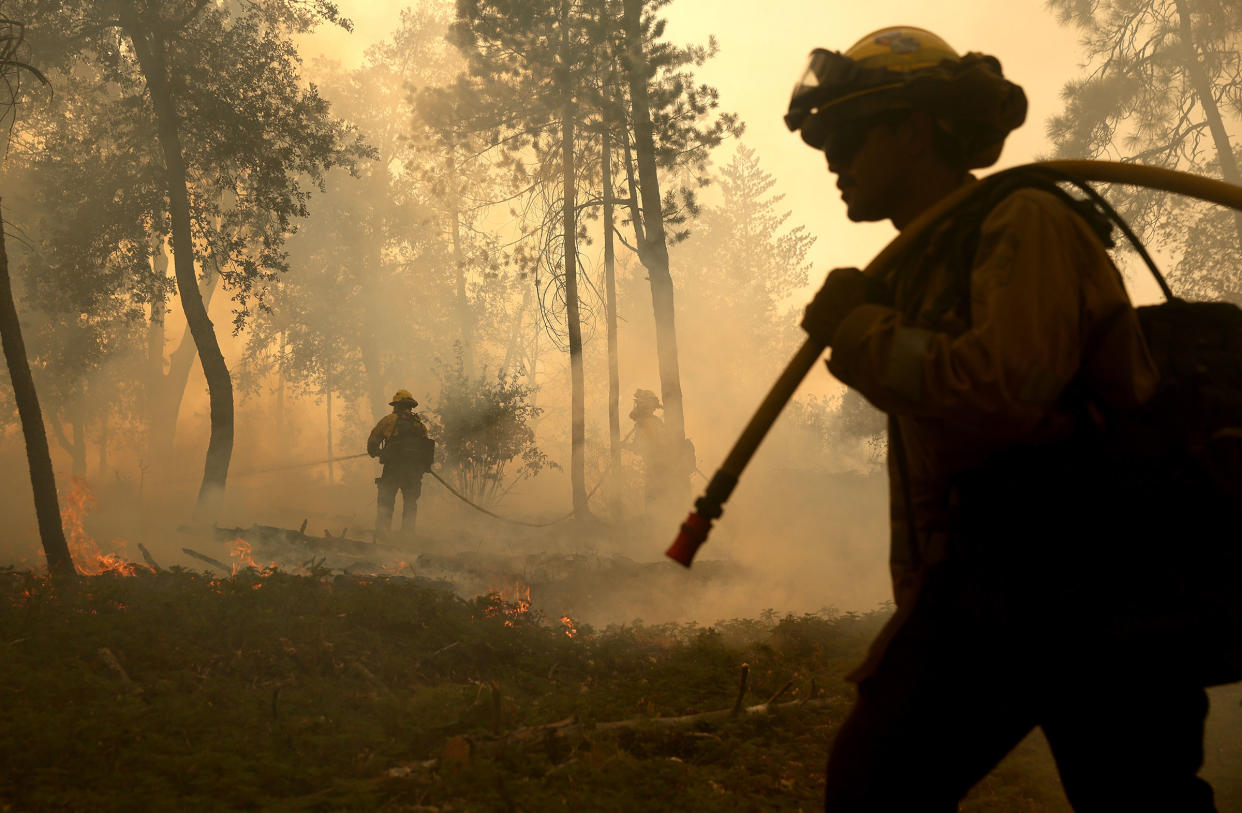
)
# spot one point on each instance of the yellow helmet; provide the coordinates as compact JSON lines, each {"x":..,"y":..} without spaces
{"x":403,"y":398}
{"x":908,"y":68}
{"x":646,"y":398}
{"x":901,"y":50}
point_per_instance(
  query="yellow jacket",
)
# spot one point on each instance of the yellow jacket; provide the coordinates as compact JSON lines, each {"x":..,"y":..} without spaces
{"x":1046,"y":306}
{"x":384,"y":430}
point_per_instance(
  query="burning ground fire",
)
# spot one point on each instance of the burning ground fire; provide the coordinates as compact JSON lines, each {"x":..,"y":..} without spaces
{"x":516,"y":608}
{"x":90,"y":560}
{"x":241,"y":555}
{"x":513,"y":607}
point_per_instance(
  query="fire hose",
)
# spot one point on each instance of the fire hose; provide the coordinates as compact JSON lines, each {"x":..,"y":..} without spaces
{"x":710,"y":506}
{"x":526,"y":523}
{"x":603,"y":477}
{"x":451,"y":490}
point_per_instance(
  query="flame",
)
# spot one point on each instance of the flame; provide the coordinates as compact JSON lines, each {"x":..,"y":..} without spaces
{"x":240,"y":552}
{"x":513,"y":609}
{"x":571,"y":629}
{"x":399,"y":568}
{"x":82,"y":547}
{"x":242,"y":555}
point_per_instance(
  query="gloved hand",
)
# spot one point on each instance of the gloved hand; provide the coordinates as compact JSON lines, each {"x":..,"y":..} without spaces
{"x":843,"y":290}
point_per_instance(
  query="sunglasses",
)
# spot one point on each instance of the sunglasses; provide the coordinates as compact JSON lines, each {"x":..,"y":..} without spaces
{"x":846,"y":139}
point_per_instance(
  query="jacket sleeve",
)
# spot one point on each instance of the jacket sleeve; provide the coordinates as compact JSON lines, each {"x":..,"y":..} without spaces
{"x":378,"y":435}
{"x":1025,"y":342}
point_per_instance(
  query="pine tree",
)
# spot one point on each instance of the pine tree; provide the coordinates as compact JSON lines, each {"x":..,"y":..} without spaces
{"x":1163,"y":88}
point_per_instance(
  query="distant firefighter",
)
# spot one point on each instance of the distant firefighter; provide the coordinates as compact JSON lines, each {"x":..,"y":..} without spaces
{"x":401,"y":443}
{"x":665,"y":476}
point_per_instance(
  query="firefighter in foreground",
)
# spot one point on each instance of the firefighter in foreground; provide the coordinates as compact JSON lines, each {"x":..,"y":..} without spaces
{"x":993,"y":348}
{"x":401,"y":443}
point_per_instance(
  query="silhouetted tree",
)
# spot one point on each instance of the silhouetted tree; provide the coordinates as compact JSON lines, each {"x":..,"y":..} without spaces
{"x":1163,"y":85}
{"x":38,"y":456}
{"x":673,"y":126}
{"x":527,"y":61}
{"x":236,"y":135}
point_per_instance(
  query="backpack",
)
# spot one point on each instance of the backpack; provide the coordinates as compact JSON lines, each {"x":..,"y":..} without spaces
{"x":1195,"y":417}
{"x":1181,"y":452}
{"x":409,"y":444}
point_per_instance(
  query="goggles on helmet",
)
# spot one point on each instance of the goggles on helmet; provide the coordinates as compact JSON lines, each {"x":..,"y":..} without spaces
{"x":839,"y":97}
{"x":831,"y":78}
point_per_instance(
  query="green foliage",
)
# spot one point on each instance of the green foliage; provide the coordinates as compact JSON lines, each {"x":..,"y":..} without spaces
{"x":257,"y":140}
{"x":484,"y":431}
{"x":89,"y":166}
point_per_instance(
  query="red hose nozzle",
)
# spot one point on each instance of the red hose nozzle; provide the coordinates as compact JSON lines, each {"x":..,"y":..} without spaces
{"x":693,"y":534}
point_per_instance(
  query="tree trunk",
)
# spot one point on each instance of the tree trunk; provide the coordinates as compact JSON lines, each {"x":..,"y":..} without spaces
{"x":513,"y":348}
{"x":1211,"y":110}
{"x":77,"y":450}
{"x":153,"y":61}
{"x":533,"y":368}
{"x":154,"y":386}
{"x":377,"y":394}
{"x":331,"y":466}
{"x":577,"y":409}
{"x":281,"y":435}
{"x":610,"y":308}
{"x":103,"y":446}
{"x":652,"y":246}
{"x":464,"y":325}
{"x":38,"y":456}
{"x":173,"y":383}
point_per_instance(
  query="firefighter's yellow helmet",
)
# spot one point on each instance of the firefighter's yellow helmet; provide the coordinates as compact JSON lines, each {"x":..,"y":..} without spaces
{"x":646,"y":398}
{"x":403,"y":398}
{"x":901,"y":50}
{"x":908,"y":68}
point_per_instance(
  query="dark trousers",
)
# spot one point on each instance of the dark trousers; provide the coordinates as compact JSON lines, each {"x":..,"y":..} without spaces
{"x":410,"y":483}
{"x":968,"y":676}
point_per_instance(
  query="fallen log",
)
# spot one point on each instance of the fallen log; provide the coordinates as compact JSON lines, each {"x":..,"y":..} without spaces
{"x":204,"y":558}
{"x":263,"y":538}
{"x":572,"y":729}
{"x":146,"y":554}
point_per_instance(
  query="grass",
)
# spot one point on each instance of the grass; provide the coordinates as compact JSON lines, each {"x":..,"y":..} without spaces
{"x":279,"y":692}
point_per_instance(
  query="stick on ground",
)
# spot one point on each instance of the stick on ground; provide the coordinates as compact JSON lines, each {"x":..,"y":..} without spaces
{"x":113,"y":664}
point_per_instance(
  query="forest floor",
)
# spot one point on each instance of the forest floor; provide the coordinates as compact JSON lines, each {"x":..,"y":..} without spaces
{"x":267,"y":690}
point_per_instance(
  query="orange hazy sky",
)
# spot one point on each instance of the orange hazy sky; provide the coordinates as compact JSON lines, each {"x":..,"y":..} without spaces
{"x":763,"y":47}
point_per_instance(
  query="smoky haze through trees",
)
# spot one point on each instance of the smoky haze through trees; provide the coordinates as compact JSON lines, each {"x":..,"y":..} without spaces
{"x":560,"y":88}
{"x":1163,"y":87}
{"x":494,"y":190}
{"x":202,"y":94}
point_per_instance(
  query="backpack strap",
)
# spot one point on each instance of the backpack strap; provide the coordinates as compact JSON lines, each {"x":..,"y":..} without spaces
{"x":957,"y":247}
